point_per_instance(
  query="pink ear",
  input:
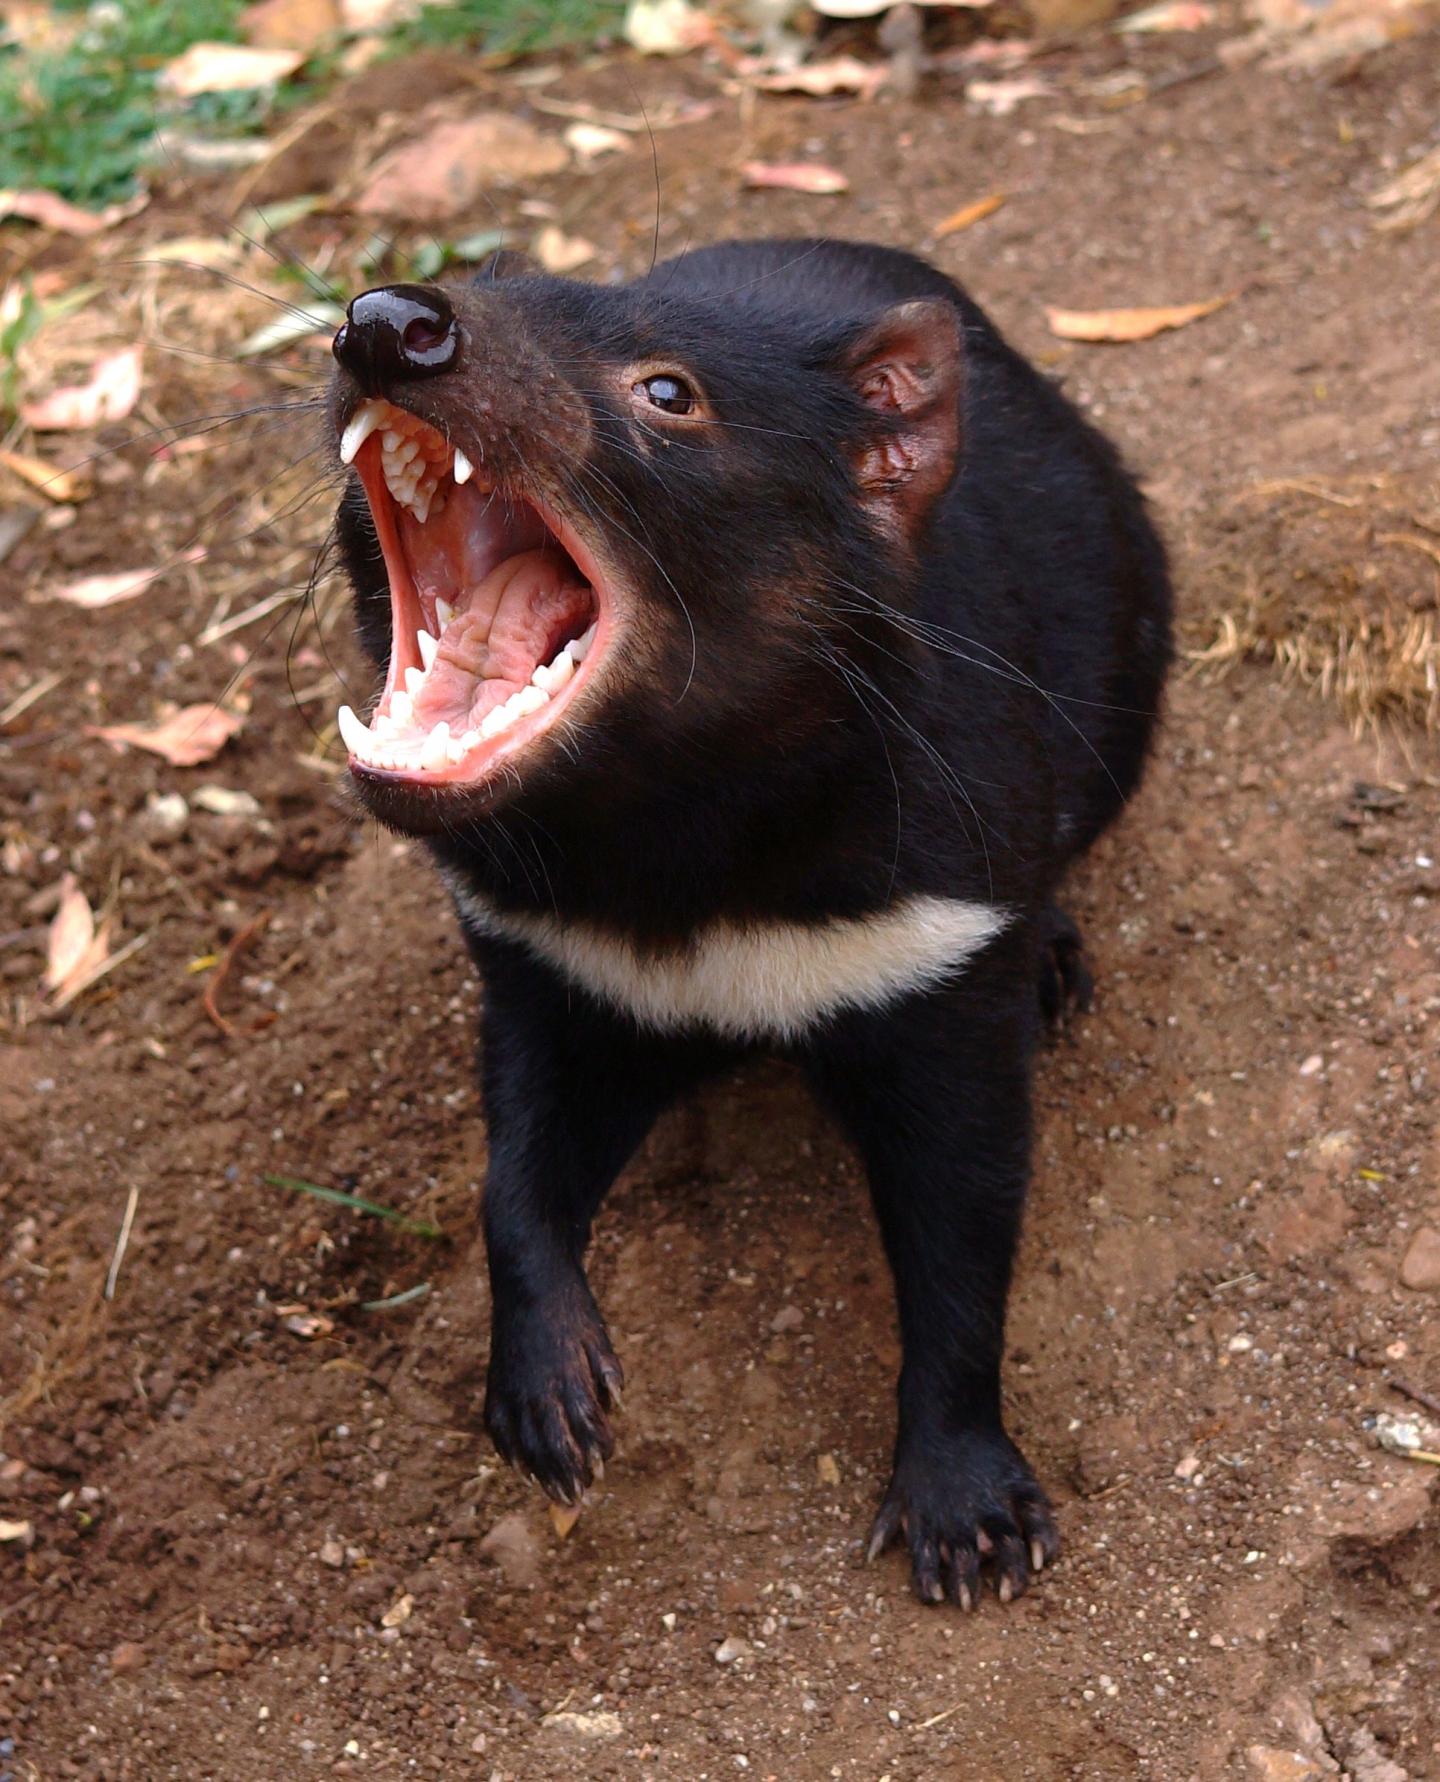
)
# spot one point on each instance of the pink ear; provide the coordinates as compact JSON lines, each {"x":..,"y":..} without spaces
{"x":908,"y":366}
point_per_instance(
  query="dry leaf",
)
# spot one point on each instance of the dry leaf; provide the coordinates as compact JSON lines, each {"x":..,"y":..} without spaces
{"x":194,"y":734}
{"x":1129,"y":324}
{"x":72,"y":936}
{"x":794,"y":176}
{"x":53,"y":484}
{"x":54,"y":212}
{"x":590,"y":141}
{"x":308,"y":1324}
{"x":399,"y":1611}
{"x":290,"y":24}
{"x":16,"y":1531}
{"x":227,"y":68}
{"x":93,"y":591}
{"x":563,"y":1518}
{"x":665,"y":27}
{"x":455,"y":163}
{"x":109,"y":394}
{"x":970,"y":213}
{"x":840,"y":74}
{"x":1170,"y":15}
{"x":561,"y":253}
{"x":1000,"y":97}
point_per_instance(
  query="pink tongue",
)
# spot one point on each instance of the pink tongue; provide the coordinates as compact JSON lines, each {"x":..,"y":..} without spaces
{"x":516,"y":619}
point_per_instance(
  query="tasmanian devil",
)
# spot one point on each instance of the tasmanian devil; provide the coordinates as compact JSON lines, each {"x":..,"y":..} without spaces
{"x":762,"y":639}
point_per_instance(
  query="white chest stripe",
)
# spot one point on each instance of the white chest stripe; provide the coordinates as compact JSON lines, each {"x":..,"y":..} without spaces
{"x":765,"y":980}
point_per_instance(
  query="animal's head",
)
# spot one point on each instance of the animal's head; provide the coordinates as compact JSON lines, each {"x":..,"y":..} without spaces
{"x":596,"y":533}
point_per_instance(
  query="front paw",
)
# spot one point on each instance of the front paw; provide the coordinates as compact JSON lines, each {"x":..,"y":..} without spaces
{"x":552,"y":1378}
{"x":962,"y":1502}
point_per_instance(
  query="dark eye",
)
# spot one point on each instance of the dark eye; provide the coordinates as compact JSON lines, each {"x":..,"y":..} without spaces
{"x":672,"y":394}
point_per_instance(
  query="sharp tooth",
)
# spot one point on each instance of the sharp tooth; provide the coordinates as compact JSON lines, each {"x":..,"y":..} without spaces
{"x":414,"y":681}
{"x":420,"y":505}
{"x":497,"y":719}
{"x":358,"y":429}
{"x":469,"y":740}
{"x":383,"y":724}
{"x":406,"y":450}
{"x":391,"y":440}
{"x":527,"y":700}
{"x":429,"y":648}
{"x":444,"y":612}
{"x":402,"y":708}
{"x":579,"y":647}
{"x":353,"y":733}
{"x":463,"y":469}
{"x":551,"y":677}
{"x":456,"y":752}
{"x":436,"y":752}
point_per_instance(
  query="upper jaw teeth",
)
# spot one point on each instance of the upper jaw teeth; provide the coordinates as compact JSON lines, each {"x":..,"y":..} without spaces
{"x":413,"y":455}
{"x":392,"y":739}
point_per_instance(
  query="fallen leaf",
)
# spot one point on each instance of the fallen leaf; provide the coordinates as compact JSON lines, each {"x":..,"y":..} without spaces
{"x":563,"y":1518}
{"x":590,"y":141}
{"x":794,"y":176}
{"x":227,"y":68}
{"x":665,"y":27}
{"x":109,"y":394}
{"x":194,"y":734}
{"x":16,"y":1531}
{"x":1413,"y":195}
{"x":561,"y":253}
{"x":308,"y":1325}
{"x":296,"y":324}
{"x":53,"y":212}
{"x":970,"y":213}
{"x":1000,"y":97}
{"x":454,"y":164}
{"x":399,"y":1611}
{"x":92,"y":591}
{"x":1170,"y":15}
{"x":1129,"y":324}
{"x":840,"y":74}
{"x":75,"y":947}
{"x":53,"y":484}
{"x":290,"y":24}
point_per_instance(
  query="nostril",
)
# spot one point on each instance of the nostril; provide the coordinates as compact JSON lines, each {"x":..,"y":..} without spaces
{"x":424,"y":334}
{"x":396,"y":332}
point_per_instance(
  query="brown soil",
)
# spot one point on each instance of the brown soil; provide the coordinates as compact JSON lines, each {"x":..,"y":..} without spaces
{"x":1235,"y":1150}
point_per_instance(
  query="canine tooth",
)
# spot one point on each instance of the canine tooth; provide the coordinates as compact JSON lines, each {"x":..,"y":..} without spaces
{"x":358,"y":429}
{"x":402,"y":708}
{"x":429,"y":648}
{"x":444,"y":612}
{"x":414,"y":681}
{"x":463,"y":469}
{"x":353,"y":733}
{"x":436,"y":752}
{"x":579,"y":647}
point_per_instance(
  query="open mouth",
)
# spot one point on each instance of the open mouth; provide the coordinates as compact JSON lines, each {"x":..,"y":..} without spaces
{"x":498,"y":615}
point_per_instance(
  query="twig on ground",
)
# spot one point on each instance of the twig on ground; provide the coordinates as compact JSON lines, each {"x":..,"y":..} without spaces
{"x":238,"y":943}
{"x":122,"y":1242}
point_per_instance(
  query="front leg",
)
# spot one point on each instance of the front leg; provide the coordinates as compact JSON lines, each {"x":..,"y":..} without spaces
{"x":936,"y":1095}
{"x":569,"y":1091}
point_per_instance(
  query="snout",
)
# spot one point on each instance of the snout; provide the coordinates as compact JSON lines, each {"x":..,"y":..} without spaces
{"x":396,"y":333}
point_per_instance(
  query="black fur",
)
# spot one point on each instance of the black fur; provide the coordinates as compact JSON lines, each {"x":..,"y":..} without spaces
{"x":837,"y":704}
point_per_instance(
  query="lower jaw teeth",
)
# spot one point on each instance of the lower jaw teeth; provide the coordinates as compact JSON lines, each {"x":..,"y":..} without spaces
{"x":392,"y":741}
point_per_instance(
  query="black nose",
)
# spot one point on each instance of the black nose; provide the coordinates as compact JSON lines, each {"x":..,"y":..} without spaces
{"x":397,"y":332}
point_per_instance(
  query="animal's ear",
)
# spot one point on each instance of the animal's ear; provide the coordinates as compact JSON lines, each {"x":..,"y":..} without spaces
{"x":908,"y":366}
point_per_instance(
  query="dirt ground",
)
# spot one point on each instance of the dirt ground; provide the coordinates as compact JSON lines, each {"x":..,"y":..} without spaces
{"x":266,"y":1537}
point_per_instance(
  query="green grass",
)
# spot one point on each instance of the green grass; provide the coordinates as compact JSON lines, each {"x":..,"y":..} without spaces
{"x":511,"y":27}
{"x":81,"y":121}
{"x":420,"y":1227}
